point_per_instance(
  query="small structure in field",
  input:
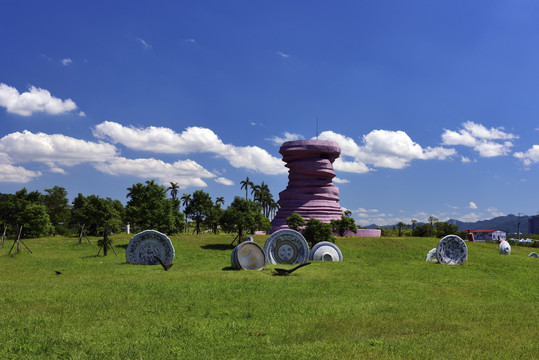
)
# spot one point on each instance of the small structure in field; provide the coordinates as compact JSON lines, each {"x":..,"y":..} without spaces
{"x":487,"y":235}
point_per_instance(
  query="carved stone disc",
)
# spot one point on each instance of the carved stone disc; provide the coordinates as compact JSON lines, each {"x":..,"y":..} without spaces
{"x":325,"y":251}
{"x":452,"y":250}
{"x":286,"y":246}
{"x":504,"y":248}
{"x":144,"y":246}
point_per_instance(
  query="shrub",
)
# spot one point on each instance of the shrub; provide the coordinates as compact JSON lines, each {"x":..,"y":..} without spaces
{"x":317,"y":231}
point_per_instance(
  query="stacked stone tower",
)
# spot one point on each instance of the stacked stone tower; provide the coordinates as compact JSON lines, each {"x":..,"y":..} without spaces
{"x":310,"y":191}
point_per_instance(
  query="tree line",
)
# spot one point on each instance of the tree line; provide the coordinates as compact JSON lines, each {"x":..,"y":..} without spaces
{"x":148,"y":207}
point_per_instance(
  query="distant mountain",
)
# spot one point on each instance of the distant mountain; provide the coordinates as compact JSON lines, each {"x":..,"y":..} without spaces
{"x":508,"y":223}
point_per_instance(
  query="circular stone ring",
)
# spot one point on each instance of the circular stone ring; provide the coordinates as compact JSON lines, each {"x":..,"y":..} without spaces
{"x":286,"y":246}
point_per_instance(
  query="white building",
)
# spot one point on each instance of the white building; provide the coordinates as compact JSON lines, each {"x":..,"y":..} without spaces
{"x":490,"y":234}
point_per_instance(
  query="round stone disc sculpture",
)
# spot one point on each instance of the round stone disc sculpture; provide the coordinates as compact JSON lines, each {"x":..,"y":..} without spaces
{"x":310,"y":191}
{"x":144,"y":246}
{"x":533,"y":254}
{"x":248,"y":255}
{"x":325,"y":251}
{"x":452,"y":250}
{"x":431,"y":255}
{"x":286,"y":246}
{"x":504,"y":248}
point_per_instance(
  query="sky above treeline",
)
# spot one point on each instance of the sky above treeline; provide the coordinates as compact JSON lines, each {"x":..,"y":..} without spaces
{"x":433,"y":103}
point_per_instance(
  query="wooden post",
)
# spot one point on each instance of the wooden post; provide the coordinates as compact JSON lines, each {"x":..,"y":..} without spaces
{"x":4,"y":235}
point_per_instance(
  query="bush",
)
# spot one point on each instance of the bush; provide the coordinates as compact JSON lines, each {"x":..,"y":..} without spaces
{"x":317,"y":231}
{"x":295,"y":221}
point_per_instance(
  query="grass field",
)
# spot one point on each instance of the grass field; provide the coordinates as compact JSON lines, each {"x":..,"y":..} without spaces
{"x":383,"y":301}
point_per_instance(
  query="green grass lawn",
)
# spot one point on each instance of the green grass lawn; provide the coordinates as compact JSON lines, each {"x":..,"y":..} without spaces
{"x":383,"y":301}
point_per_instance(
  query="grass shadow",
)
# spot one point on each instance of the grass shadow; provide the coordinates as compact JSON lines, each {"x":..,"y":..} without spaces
{"x":221,"y":247}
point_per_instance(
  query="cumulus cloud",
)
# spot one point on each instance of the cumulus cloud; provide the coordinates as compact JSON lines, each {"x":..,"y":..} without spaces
{"x":472,"y":205}
{"x":279,"y":140}
{"x":224,"y":181}
{"x":531,"y":156}
{"x":184,"y":172}
{"x":487,"y":142}
{"x":381,"y":148}
{"x":16,"y":174}
{"x":66,"y":62}
{"x":34,"y":100}
{"x":53,"y":150}
{"x":191,"y":40}
{"x":341,"y":181}
{"x":191,"y":140}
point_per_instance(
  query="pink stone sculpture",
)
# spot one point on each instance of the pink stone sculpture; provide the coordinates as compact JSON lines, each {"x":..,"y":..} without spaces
{"x":310,"y":191}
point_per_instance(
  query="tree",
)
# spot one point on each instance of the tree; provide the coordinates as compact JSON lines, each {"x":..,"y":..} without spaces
{"x":295,"y":221}
{"x":344,"y":223}
{"x":443,"y":229}
{"x":186,"y":199}
{"x":414,"y":221}
{"x":149,"y":208}
{"x":246,"y":184}
{"x":317,"y":231}
{"x":199,"y":208}
{"x":58,"y":209}
{"x":431,"y":221}
{"x":173,"y":188}
{"x":220,"y":201}
{"x":243,"y":216}
{"x":400,"y":225}
{"x":98,"y":215}
{"x":26,"y":210}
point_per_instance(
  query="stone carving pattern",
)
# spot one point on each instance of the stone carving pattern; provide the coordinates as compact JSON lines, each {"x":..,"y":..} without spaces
{"x":144,"y":246}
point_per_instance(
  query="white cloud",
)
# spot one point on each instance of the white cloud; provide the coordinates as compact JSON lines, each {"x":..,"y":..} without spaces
{"x":341,"y":181}
{"x":184,"y":172}
{"x":53,"y":150}
{"x":35,"y":100}
{"x":465,"y":159}
{"x":277,"y":140}
{"x":224,"y":181}
{"x":144,"y":43}
{"x":192,"y":41}
{"x":82,"y":114}
{"x":17,"y":174}
{"x":283,"y":55}
{"x":191,"y":140}
{"x":381,"y":148}
{"x":531,"y":156}
{"x":66,"y":62}
{"x":472,"y":205}
{"x":480,"y":139}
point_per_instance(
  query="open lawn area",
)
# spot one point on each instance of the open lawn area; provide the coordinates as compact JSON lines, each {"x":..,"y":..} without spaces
{"x":383,"y":301}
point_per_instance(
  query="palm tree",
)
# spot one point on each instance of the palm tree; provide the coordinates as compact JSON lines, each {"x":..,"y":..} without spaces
{"x":400,"y":225}
{"x":414,"y":221}
{"x":173,"y":188}
{"x":246,"y":184}
{"x":186,"y":199}
{"x":220,"y":200}
{"x":432,"y":220}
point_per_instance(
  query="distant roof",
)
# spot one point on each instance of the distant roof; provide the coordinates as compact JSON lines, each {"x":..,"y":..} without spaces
{"x":485,"y":230}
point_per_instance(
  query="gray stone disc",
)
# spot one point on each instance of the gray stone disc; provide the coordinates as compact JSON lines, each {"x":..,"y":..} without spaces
{"x":431,"y":255}
{"x":286,"y":246}
{"x":248,"y":255}
{"x":325,"y":251}
{"x":144,"y":246}
{"x":452,"y":250}
{"x":504,"y":248}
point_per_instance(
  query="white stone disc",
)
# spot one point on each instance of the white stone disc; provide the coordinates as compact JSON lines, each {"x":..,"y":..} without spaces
{"x":534,"y":255}
{"x":431,"y":255}
{"x":286,"y":246}
{"x":452,"y":250}
{"x":248,"y":255}
{"x":325,"y":251}
{"x":504,"y":248}
{"x":144,"y":246}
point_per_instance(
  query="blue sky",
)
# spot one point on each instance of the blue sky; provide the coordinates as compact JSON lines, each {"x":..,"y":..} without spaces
{"x":434,"y":103}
